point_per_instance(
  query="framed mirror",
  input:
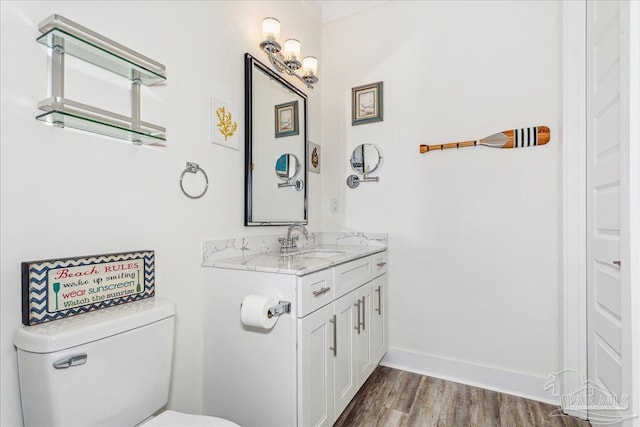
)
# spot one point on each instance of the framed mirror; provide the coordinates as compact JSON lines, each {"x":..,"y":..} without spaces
{"x":275,"y":134}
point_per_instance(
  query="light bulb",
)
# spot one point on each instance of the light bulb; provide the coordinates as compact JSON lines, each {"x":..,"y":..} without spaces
{"x":271,"y":29}
{"x":292,"y":49}
{"x":292,"y":53}
{"x":309,"y":66}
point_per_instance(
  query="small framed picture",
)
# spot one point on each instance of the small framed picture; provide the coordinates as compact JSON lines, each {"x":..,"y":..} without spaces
{"x":287,"y":119}
{"x":314,"y":157}
{"x":366,"y":104}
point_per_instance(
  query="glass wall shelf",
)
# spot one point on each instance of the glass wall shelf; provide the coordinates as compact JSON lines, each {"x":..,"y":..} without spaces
{"x":66,"y":113}
{"x":65,"y":37}
{"x":82,"y":43}
{"x":97,"y":56}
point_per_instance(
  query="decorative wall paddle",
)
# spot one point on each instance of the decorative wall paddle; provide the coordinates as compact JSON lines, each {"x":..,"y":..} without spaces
{"x":514,"y":138}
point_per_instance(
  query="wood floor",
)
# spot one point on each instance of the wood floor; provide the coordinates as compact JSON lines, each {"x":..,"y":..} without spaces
{"x":391,"y":398}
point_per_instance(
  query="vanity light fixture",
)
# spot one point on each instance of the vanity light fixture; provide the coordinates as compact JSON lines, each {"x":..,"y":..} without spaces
{"x":287,"y":59}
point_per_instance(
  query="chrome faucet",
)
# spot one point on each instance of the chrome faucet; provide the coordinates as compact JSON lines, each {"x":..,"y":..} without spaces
{"x":288,"y":244}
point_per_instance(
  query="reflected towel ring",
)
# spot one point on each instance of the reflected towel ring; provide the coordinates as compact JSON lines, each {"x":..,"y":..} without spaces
{"x":194,"y":168}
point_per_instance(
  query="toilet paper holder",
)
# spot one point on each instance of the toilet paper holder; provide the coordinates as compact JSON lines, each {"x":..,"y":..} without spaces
{"x":283,"y":307}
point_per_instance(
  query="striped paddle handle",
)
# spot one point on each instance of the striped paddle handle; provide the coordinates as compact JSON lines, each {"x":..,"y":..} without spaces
{"x":427,"y":148}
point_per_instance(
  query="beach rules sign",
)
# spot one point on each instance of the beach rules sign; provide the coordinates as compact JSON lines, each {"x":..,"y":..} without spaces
{"x":58,"y":288}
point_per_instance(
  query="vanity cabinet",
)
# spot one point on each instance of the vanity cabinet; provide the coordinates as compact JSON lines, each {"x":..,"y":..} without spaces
{"x":341,"y":344}
{"x":306,"y":369}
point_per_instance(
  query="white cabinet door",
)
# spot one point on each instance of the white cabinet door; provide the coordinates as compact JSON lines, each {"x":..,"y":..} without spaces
{"x":364,"y":354}
{"x":316,"y":368}
{"x":378,"y":324}
{"x":357,"y":325}
{"x":346,"y":380}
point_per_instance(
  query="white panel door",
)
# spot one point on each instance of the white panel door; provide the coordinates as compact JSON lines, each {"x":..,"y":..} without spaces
{"x":379,"y":333}
{"x":608,"y":305}
{"x":364,"y":352}
{"x":315,"y":368}
{"x":346,"y":380}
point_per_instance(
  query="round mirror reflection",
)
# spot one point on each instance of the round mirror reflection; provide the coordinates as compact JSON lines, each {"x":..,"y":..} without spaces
{"x":365,"y":159}
{"x":353,"y":181}
{"x":287,"y":166}
{"x":298,"y":184}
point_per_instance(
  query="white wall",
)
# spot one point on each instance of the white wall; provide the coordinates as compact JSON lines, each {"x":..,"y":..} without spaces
{"x":67,"y":193}
{"x":474,"y":234}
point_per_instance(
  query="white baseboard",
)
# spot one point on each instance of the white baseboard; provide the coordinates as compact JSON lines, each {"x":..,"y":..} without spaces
{"x":503,"y":381}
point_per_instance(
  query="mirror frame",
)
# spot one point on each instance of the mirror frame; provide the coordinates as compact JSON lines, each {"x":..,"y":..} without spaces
{"x":249,"y":63}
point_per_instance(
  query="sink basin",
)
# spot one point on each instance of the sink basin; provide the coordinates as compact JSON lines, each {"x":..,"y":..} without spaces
{"x":320,"y":253}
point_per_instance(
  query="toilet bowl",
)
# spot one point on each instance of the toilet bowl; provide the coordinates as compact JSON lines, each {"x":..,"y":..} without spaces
{"x":110,"y":367}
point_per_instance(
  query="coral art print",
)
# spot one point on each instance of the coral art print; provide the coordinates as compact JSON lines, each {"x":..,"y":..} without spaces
{"x":224,"y":124}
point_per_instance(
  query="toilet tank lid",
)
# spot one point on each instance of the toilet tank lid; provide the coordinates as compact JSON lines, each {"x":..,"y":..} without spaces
{"x":76,"y":330}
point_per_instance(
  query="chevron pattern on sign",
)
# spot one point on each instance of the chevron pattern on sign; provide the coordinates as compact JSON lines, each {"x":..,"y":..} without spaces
{"x":35,"y":285}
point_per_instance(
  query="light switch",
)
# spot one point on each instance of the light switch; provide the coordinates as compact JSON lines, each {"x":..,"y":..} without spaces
{"x":335,"y":205}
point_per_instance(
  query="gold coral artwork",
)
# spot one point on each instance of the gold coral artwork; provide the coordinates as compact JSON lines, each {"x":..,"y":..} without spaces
{"x":224,"y":124}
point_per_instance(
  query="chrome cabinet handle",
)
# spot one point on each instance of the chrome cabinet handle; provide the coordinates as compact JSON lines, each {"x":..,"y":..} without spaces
{"x":364,"y":313}
{"x":357,"y":327}
{"x":321,"y":291}
{"x":68,"y":362}
{"x":618,"y":263}
{"x":334,"y":320}
{"x":379,"y":291}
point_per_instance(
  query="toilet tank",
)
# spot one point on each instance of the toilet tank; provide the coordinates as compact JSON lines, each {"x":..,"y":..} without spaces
{"x":114,"y":366}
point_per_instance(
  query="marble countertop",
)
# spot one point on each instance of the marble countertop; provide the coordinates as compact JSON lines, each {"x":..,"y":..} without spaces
{"x":305,"y":261}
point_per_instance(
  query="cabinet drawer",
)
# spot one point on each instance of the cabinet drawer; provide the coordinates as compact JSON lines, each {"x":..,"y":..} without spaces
{"x":350,"y":275}
{"x":379,"y":263}
{"x":314,"y":291}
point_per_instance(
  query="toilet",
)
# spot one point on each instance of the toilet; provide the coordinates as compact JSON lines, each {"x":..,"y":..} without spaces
{"x":110,"y":367}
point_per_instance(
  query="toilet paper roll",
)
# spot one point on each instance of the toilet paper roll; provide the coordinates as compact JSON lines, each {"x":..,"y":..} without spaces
{"x":255,"y":311}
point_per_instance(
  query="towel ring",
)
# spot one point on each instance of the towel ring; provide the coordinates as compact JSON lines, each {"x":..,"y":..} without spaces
{"x":194,"y":168}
